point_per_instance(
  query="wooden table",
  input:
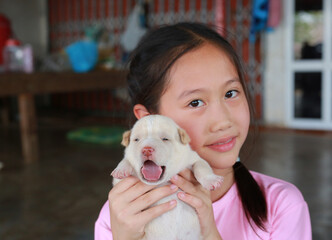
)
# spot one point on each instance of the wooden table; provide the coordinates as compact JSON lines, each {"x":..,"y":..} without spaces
{"x":25,"y":86}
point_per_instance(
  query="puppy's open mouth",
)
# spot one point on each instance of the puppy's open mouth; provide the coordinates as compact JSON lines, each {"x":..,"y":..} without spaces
{"x":151,"y":171}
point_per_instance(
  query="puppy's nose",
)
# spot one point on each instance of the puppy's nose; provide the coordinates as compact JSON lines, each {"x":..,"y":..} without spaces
{"x":147,"y":151}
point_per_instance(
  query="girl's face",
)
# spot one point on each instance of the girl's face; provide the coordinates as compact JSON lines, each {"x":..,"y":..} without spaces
{"x":205,"y":97}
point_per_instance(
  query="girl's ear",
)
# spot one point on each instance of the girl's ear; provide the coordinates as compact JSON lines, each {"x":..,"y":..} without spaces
{"x":140,"y":111}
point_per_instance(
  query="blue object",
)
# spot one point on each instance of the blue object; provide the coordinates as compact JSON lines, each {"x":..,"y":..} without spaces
{"x":83,"y":55}
{"x":260,"y":13}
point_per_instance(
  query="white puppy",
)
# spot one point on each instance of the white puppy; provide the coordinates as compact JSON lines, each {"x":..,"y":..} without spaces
{"x":156,"y":150}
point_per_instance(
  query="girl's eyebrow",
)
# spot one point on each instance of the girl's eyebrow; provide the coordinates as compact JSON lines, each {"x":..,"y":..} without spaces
{"x":234,"y":80}
{"x":189,"y":92}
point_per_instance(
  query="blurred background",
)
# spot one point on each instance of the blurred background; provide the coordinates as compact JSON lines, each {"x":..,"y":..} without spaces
{"x":63,"y":104}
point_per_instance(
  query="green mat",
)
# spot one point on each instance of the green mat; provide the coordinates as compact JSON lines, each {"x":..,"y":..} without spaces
{"x":97,"y":135}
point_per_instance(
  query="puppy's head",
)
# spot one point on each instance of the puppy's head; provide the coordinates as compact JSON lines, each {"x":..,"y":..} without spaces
{"x":152,"y":146}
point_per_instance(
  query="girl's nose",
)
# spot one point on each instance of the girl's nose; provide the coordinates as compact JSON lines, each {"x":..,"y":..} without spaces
{"x":220,"y":118}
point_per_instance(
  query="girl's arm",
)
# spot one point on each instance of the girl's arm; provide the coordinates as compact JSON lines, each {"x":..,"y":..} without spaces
{"x":128,"y":208}
{"x":199,"y":198}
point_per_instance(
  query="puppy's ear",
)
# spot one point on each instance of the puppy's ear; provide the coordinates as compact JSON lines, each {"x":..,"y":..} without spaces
{"x":126,"y":138}
{"x":184,"y":137}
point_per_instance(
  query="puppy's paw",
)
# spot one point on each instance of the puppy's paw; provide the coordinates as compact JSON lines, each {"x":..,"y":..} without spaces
{"x":211,"y":181}
{"x":123,"y":170}
{"x":121,"y":173}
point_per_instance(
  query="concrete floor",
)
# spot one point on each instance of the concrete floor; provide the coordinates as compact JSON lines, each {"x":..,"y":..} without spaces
{"x":60,"y":196}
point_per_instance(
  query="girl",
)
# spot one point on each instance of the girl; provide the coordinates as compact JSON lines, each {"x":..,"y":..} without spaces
{"x":191,"y":74}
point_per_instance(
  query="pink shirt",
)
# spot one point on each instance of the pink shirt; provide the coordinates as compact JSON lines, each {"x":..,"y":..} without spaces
{"x":288,"y":215}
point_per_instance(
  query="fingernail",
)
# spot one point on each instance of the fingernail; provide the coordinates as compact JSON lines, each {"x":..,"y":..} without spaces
{"x":172,"y":203}
{"x":175,"y":177}
{"x":173,"y":187}
{"x":182,"y":195}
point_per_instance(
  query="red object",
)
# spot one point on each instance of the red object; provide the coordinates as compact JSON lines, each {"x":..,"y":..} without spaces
{"x":5,"y":33}
{"x":275,"y":11}
{"x":12,"y":42}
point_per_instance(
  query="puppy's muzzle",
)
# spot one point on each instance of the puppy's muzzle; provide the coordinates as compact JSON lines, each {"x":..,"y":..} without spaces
{"x":147,"y":152}
{"x":151,"y":171}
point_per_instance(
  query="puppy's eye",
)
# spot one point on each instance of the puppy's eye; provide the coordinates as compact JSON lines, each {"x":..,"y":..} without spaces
{"x":165,"y":139}
{"x":136,"y":139}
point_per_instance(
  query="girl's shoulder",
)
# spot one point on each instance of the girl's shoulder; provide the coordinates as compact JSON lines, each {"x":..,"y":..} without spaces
{"x":288,"y":214}
{"x":278,"y":192}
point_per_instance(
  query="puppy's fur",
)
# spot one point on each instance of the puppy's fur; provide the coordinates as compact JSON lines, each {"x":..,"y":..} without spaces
{"x":159,"y":142}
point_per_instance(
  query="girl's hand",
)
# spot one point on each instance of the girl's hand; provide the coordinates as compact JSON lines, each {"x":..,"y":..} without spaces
{"x":129,"y":201}
{"x":199,"y":198}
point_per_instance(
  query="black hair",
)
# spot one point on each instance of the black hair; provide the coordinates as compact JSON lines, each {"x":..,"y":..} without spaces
{"x":147,"y":79}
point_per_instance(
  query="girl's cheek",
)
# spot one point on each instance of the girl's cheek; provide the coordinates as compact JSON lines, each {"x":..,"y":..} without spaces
{"x":193,"y":146}
{"x":193,"y":143}
{"x":189,"y":131}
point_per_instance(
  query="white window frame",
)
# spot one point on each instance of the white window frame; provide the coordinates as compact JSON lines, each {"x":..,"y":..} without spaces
{"x":323,"y":65}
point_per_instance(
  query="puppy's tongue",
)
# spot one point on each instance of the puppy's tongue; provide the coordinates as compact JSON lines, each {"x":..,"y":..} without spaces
{"x":151,"y":171}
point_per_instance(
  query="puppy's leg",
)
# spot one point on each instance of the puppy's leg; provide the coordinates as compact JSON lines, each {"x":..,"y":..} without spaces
{"x":123,"y":170}
{"x":205,"y":176}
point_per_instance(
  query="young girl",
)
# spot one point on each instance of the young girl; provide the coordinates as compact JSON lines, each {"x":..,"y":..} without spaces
{"x":191,"y":74}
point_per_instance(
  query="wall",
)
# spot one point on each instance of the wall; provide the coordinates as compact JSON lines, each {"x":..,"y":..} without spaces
{"x":29,"y":22}
{"x":275,"y":78}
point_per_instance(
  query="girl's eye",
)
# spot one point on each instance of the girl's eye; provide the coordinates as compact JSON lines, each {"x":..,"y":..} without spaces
{"x":196,"y":103}
{"x":231,"y":94}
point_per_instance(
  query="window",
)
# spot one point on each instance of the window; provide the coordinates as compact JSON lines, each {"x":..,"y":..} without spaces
{"x":309,"y":63}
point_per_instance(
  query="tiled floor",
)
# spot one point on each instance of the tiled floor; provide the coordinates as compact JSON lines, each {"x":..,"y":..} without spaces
{"x":60,"y":196}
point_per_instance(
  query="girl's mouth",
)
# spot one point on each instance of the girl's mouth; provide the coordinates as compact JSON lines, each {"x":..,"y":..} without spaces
{"x":223,"y":145}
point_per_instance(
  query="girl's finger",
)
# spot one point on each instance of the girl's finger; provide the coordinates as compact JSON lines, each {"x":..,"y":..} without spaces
{"x":189,"y":175}
{"x":136,"y":191}
{"x":146,"y":200}
{"x":193,"y":201}
{"x":156,"y":211}
{"x":124,"y":185}
{"x":128,"y":190}
{"x":184,"y":184}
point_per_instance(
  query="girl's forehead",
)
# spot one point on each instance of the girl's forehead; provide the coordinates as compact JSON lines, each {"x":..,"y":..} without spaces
{"x":207,"y":62}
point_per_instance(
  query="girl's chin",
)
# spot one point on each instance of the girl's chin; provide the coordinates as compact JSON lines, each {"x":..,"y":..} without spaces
{"x":217,"y":160}
{"x":226,"y":158}
{"x":223,"y":164}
